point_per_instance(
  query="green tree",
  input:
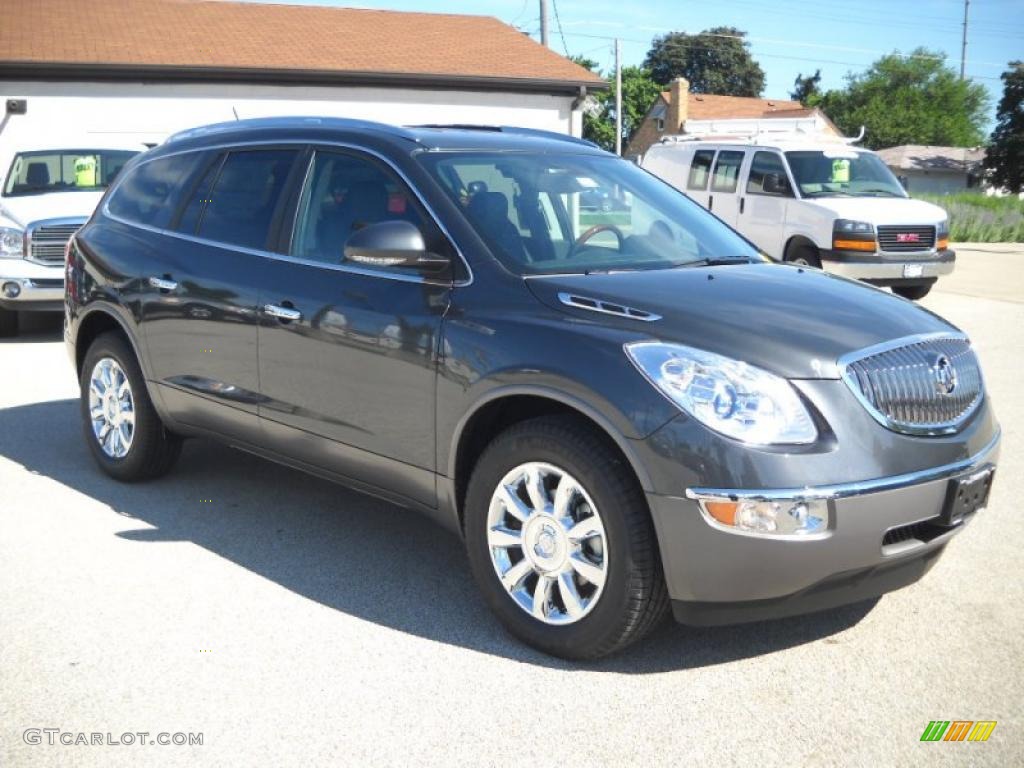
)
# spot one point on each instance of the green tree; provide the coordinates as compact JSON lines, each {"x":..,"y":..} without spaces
{"x":1004,"y":158}
{"x":806,"y":89}
{"x":716,"y":61}
{"x":913,"y":99}
{"x":638,"y":93}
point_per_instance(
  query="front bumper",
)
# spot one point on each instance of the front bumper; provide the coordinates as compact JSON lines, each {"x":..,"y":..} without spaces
{"x":722,"y":577}
{"x":40,"y":287}
{"x":888,"y":268}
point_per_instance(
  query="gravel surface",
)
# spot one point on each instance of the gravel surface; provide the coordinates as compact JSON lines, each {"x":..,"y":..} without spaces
{"x":293,"y":622}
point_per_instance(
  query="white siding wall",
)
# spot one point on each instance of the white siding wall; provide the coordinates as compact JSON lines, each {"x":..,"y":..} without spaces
{"x":143,"y":112}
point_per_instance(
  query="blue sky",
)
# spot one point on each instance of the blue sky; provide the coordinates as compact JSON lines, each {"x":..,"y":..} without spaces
{"x":787,"y":36}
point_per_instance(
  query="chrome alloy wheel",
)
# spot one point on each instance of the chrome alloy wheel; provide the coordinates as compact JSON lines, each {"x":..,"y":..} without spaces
{"x":547,"y":543}
{"x":111,"y":408}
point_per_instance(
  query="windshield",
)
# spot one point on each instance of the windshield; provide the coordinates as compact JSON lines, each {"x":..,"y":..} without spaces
{"x":558,"y":213}
{"x":842,"y":173}
{"x":64,"y":170}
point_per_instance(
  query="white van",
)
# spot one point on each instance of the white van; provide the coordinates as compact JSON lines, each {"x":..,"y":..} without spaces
{"x":49,"y":190}
{"x":813,"y":201}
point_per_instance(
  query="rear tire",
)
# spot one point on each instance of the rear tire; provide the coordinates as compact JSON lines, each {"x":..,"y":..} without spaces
{"x":912,"y":292}
{"x":142,"y":449}
{"x":803,"y":255}
{"x":8,"y":323}
{"x":627,"y":597}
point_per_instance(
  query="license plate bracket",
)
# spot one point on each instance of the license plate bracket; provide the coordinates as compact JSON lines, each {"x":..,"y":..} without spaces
{"x":966,"y":494}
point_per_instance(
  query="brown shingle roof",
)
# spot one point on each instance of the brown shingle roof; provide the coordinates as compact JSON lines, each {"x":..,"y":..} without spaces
{"x":703,"y":106}
{"x":194,"y":39}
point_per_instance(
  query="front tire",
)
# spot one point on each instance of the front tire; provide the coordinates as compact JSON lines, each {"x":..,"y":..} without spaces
{"x":8,"y":323}
{"x":121,"y":427}
{"x":561,"y":541}
{"x":912,"y":292}
{"x":803,"y":255}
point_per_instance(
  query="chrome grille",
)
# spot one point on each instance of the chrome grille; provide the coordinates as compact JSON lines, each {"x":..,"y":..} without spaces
{"x":922,"y":385}
{"x":906,"y":238}
{"x":46,"y":242}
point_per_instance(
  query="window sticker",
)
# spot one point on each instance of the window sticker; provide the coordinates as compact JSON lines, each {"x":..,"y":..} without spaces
{"x":840,"y":171}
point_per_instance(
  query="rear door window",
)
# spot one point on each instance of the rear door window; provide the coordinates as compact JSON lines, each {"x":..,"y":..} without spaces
{"x":727,"y":171}
{"x":241,"y":205}
{"x":149,"y":193}
{"x":700,"y":169}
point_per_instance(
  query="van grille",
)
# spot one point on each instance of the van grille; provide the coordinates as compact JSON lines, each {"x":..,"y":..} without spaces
{"x":903,"y":239}
{"x":927,"y":386}
{"x":47,"y":241}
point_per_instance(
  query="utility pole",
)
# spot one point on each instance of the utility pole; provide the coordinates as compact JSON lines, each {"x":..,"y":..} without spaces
{"x":544,"y":22}
{"x":963,"y":45}
{"x":618,"y":99}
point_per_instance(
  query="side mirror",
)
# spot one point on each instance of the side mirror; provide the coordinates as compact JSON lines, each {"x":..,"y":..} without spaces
{"x":775,"y":184}
{"x":395,"y":244}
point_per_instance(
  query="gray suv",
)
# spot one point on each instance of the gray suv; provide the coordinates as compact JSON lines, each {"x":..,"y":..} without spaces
{"x":623,"y":412}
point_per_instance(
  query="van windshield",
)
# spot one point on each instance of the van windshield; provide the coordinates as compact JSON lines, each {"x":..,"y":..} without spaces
{"x":64,"y":170}
{"x":842,"y":173}
{"x":544,"y":213}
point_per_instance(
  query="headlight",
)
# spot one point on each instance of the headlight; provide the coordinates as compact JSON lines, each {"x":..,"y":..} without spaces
{"x":12,"y":243}
{"x":847,"y":226}
{"x":729,"y":396}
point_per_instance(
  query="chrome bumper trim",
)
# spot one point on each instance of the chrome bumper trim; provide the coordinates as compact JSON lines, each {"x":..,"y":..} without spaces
{"x":31,"y":291}
{"x":844,"y":490}
{"x":860,"y":270}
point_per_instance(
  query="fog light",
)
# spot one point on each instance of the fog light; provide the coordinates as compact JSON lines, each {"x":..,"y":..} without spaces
{"x":778,"y":518}
{"x":11,"y":290}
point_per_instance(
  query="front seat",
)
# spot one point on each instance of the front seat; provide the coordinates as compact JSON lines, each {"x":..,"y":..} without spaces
{"x":489,"y":211}
{"x":37,"y":175}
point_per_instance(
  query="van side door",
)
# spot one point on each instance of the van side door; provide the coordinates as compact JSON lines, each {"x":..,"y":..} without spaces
{"x":767,"y":194}
{"x":723,"y":200}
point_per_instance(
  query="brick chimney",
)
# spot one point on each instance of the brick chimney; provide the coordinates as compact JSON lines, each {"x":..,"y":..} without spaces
{"x":678,"y":106}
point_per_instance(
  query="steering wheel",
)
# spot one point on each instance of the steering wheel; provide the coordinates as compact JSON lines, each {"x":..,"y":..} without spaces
{"x":596,"y":229}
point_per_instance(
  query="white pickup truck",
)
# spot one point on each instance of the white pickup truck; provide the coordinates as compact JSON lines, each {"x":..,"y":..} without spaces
{"x":48,"y":192}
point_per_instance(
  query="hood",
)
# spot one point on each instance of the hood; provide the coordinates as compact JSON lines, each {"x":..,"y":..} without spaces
{"x":881,"y":210}
{"x":53,"y":205}
{"x":790,"y":321}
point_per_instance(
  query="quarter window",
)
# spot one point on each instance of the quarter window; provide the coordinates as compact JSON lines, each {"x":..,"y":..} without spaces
{"x":343,"y":194}
{"x":241,"y":204}
{"x":700,"y":169}
{"x":765,"y":164}
{"x":727,"y":171}
{"x":147,"y":195}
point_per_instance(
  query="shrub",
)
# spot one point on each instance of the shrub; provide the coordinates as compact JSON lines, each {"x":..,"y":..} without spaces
{"x":978,"y":218}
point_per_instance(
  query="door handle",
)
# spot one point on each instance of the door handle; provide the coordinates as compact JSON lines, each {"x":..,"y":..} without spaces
{"x":742,"y":199}
{"x":711,"y":202}
{"x":285,"y":314}
{"x":163,"y":283}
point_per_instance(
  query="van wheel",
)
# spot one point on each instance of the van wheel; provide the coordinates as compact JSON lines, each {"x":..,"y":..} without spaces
{"x":122,"y":429}
{"x":561,"y":541}
{"x":8,"y":323}
{"x":803,"y":255}
{"x":912,"y":292}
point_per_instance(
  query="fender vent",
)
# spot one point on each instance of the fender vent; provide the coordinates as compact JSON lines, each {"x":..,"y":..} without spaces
{"x":606,"y":307}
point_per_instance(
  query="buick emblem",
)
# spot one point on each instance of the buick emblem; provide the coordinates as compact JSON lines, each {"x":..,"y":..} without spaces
{"x":945,"y":376}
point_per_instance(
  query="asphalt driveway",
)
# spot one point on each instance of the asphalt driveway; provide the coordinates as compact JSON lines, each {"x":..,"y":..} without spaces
{"x":293,"y":622}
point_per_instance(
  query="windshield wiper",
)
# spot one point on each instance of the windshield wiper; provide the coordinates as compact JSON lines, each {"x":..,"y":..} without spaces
{"x":879,"y":193}
{"x":717,"y":261}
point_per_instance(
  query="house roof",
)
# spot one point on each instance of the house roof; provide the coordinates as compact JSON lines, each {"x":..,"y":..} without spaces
{"x":255,"y":42}
{"x":919,"y":157}
{"x":704,"y":106}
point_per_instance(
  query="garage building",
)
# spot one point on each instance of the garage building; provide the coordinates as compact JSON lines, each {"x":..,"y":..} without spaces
{"x":144,"y":69}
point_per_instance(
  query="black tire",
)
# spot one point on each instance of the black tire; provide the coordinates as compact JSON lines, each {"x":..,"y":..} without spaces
{"x":153,"y":449}
{"x":8,"y":323}
{"x":803,"y":255}
{"x":634,"y":598}
{"x":912,"y":292}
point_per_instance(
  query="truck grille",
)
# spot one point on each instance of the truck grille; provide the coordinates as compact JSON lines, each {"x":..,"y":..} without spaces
{"x":46,"y":242}
{"x":918,"y":386}
{"x":903,"y":239}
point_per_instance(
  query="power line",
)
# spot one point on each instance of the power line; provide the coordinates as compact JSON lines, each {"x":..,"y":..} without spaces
{"x":558,"y":22}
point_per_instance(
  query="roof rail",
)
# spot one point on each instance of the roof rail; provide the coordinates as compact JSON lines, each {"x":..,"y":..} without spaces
{"x":539,"y":133}
{"x":289,"y":122}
